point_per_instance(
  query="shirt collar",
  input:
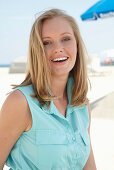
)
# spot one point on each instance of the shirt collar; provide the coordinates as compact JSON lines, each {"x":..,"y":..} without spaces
{"x":52,"y":109}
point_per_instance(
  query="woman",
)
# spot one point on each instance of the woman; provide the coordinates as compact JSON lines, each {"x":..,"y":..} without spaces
{"x":45,"y":121}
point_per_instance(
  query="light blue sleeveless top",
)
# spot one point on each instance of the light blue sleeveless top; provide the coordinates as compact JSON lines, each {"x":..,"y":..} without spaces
{"x":54,"y":142}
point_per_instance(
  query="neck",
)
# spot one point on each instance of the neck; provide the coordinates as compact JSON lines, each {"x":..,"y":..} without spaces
{"x":58,"y":86}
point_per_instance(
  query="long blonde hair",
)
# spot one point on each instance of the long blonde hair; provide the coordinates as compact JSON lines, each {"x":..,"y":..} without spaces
{"x":38,"y":71}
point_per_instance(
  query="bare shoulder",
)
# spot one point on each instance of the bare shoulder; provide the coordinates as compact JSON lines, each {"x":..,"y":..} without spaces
{"x":14,"y":119}
{"x":16,"y":110}
{"x":17,"y":97}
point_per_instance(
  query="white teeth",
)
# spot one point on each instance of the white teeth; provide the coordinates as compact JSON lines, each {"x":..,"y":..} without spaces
{"x":60,"y":59}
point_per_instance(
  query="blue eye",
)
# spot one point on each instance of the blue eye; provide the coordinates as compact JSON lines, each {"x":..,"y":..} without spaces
{"x":66,"y":39}
{"x":46,"y":42}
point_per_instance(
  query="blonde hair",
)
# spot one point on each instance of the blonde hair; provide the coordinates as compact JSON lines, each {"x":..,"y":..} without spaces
{"x":38,"y":71}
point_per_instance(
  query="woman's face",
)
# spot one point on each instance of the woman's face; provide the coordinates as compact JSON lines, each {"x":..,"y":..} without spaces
{"x":60,"y":45}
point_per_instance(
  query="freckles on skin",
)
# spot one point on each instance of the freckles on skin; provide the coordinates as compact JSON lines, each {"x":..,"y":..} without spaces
{"x":60,"y":42}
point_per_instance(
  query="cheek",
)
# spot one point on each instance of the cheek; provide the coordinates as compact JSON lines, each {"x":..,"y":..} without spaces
{"x":47,"y":52}
{"x":72,"y":50}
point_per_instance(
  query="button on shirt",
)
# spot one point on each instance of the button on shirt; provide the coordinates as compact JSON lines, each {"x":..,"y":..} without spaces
{"x":54,"y":142}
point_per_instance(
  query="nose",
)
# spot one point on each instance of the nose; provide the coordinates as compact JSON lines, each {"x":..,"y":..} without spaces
{"x":58,"y":47}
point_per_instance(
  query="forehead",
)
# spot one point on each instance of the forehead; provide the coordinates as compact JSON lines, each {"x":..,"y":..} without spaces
{"x":55,"y":25}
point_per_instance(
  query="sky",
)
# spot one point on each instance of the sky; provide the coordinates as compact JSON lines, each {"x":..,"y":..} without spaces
{"x":17,"y":17}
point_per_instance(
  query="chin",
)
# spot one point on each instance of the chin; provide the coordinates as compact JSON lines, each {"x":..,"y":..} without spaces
{"x":56,"y":74}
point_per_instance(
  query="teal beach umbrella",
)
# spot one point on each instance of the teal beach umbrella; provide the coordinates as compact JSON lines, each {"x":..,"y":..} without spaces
{"x":102,"y":9}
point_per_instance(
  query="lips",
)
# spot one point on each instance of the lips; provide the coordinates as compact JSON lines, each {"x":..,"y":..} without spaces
{"x":59,"y":59}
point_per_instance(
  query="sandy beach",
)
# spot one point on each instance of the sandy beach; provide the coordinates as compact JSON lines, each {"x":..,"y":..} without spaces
{"x":101,"y":99}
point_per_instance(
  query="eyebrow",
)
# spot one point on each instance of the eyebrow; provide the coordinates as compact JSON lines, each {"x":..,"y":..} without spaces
{"x":60,"y":34}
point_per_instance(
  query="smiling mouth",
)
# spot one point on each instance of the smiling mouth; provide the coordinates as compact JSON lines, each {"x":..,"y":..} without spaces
{"x":60,"y":60}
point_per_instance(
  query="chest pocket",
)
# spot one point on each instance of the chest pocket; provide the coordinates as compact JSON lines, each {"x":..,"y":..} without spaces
{"x":51,"y":148}
{"x":50,"y":137}
{"x":83,"y":144}
{"x":82,"y":138}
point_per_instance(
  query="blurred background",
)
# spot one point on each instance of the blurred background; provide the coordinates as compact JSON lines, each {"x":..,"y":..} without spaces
{"x":16,"y":19}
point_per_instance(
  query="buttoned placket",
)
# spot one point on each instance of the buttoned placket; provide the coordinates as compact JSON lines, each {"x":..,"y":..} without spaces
{"x":68,"y":128}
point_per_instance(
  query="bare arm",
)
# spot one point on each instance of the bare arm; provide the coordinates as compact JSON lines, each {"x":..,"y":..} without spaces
{"x":90,"y":164}
{"x":14,"y":120}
